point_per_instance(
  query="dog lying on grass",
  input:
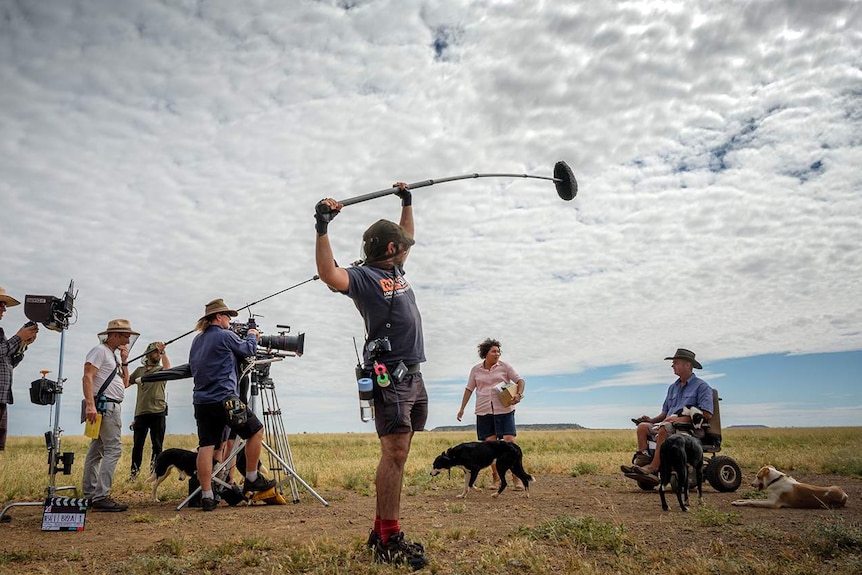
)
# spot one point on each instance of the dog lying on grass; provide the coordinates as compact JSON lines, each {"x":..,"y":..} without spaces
{"x":475,"y":456}
{"x":677,"y":453}
{"x":784,"y":491}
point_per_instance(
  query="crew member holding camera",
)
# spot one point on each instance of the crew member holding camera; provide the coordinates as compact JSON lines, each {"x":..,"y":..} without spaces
{"x":394,"y":350}
{"x":105,"y":381}
{"x":213,"y":361}
{"x":11,"y":354}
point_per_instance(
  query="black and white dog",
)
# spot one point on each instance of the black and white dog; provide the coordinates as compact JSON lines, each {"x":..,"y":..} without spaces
{"x":678,"y":452}
{"x":475,"y":456}
{"x":183,"y":460}
{"x":694,"y":413}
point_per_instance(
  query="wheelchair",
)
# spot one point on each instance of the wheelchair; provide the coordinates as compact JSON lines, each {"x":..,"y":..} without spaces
{"x":720,"y":471}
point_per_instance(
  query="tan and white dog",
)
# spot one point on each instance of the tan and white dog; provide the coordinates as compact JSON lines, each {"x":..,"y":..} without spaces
{"x":784,"y":491}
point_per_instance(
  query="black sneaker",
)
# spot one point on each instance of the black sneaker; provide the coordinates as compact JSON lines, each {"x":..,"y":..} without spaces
{"x":108,"y":504}
{"x":259,"y":484}
{"x":208,"y":504}
{"x":400,"y":551}
{"x":374,"y":540}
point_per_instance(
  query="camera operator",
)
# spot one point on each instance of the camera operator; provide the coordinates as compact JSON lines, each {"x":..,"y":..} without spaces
{"x":213,"y":359}
{"x":104,"y":385}
{"x":394,"y":344}
{"x":11,"y":354}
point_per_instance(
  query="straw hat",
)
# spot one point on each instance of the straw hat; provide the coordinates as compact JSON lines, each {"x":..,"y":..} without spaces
{"x":8,"y":300}
{"x":217,"y":306}
{"x":687,"y":356}
{"x":119,"y":326}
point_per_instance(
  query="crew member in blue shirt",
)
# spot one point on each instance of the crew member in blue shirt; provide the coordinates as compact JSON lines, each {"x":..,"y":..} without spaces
{"x":213,"y":362}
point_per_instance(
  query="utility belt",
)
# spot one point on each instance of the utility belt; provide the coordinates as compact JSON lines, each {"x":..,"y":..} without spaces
{"x":109,"y":400}
{"x":386,"y":373}
{"x":410,"y":368}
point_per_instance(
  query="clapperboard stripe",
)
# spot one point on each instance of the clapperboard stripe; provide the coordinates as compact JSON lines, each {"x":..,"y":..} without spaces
{"x":68,"y":502}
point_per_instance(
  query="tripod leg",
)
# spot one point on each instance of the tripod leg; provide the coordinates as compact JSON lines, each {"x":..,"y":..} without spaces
{"x":238,"y":446}
{"x":294,"y":474}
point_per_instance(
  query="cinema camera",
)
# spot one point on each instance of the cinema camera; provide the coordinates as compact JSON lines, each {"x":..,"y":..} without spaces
{"x":291,"y":344}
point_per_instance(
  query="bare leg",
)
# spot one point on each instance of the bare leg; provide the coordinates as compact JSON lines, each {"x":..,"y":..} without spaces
{"x":494,"y":465}
{"x":394,"y":449}
{"x":252,"y":451}
{"x":205,"y":467}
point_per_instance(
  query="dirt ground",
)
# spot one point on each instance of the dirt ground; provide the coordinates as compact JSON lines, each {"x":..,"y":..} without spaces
{"x":481,"y":520}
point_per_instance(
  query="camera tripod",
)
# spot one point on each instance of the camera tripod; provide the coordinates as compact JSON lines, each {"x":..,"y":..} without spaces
{"x":57,"y":462}
{"x":275,"y":442}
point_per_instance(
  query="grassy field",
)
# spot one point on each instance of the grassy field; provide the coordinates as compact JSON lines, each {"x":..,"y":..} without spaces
{"x":578,"y":532}
{"x":348,"y":460}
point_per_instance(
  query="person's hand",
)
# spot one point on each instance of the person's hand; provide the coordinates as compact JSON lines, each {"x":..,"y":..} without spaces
{"x":460,"y":414}
{"x":124,"y":354}
{"x":255,"y":333}
{"x":161,"y":347}
{"x":403,"y":193}
{"x":91,"y":412}
{"x":324,"y":212}
{"x":28,"y":333}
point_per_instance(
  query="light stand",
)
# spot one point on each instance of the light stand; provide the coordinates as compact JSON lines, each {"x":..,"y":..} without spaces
{"x":57,"y":320}
{"x":275,"y":438}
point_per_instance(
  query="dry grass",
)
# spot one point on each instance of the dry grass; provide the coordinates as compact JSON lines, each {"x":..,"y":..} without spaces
{"x":558,"y":541}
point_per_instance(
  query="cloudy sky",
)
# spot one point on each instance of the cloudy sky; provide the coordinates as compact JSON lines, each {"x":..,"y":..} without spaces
{"x":163,"y":154}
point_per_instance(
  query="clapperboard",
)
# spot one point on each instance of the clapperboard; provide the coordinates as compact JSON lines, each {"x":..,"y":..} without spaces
{"x":65,"y":514}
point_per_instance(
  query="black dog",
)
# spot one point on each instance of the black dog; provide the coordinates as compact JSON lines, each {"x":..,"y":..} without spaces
{"x":475,"y":456}
{"x":183,"y":460}
{"x":678,"y":452}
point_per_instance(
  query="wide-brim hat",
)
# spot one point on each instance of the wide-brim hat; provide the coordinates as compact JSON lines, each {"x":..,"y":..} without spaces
{"x":217,"y":306}
{"x":379,"y":234}
{"x":153,"y":346}
{"x":7,"y":299}
{"x":119,"y":326}
{"x":686,"y":355}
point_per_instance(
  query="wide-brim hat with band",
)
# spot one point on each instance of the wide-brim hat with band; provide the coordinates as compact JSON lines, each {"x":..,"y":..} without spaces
{"x":119,"y":326}
{"x":377,"y":237}
{"x":686,"y":355}
{"x":217,"y":306}
{"x":7,"y":299}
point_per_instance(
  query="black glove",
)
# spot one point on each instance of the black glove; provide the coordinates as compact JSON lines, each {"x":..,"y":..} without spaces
{"x":406,"y":197}
{"x":323,"y":214}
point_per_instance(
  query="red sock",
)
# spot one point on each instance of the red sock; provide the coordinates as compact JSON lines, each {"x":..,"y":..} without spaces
{"x":388,"y":527}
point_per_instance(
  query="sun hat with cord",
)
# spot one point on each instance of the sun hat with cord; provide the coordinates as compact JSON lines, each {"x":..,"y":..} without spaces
{"x":7,"y":299}
{"x":217,"y":306}
{"x":119,"y":326}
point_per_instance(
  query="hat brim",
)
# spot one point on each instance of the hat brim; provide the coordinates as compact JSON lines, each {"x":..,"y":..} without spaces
{"x":230,"y":312}
{"x":694,"y":363}
{"x":128,"y":331}
{"x":9,"y":301}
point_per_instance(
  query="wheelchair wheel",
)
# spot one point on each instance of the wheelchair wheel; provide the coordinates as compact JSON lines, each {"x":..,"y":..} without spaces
{"x":723,"y":474}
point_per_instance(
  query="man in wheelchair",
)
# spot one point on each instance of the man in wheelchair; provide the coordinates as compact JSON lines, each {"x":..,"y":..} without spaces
{"x":687,"y":391}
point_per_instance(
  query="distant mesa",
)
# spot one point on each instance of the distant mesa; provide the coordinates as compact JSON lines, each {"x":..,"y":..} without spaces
{"x":521,"y":426}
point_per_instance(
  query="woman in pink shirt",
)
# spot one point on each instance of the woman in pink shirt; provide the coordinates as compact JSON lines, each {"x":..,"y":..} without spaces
{"x":494,"y":419}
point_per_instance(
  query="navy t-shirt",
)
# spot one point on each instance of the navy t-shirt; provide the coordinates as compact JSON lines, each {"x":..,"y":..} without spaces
{"x":213,"y":361}
{"x":372,"y":291}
